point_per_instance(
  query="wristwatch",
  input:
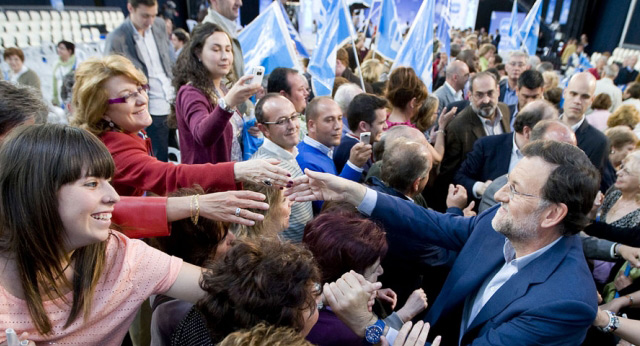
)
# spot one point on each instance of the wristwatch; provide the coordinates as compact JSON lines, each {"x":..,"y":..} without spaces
{"x":374,"y":332}
{"x":224,"y":106}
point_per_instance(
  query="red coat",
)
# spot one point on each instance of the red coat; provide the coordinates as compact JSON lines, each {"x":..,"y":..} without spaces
{"x":142,"y":217}
{"x":137,"y":171}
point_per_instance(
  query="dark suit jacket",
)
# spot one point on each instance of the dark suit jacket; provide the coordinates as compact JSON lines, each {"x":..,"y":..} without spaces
{"x":460,"y":105}
{"x":625,"y":76}
{"x":489,"y":159}
{"x":536,"y":306}
{"x":596,"y":145}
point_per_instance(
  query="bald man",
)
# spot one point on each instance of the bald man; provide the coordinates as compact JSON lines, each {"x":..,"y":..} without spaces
{"x":578,"y":97}
{"x":457,"y":75}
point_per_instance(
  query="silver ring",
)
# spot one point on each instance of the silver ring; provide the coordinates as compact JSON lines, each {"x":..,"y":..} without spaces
{"x":238,"y":211}
{"x":267,"y":182}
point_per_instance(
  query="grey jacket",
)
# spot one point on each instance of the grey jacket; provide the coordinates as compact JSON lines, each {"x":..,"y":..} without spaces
{"x":120,"y":41}
{"x":445,"y":96}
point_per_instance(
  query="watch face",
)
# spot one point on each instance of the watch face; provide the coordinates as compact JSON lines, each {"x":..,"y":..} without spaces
{"x":373,"y":334}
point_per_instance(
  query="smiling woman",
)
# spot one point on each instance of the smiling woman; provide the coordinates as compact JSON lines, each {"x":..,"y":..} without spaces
{"x":79,"y":281}
{"x":205,"y":112}
{"x":110,"y":101}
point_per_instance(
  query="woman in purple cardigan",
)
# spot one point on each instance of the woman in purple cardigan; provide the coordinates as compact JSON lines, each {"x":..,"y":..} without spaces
{"x":205,"y":112}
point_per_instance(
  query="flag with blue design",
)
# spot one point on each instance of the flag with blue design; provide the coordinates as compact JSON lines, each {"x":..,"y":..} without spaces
{"x":530,"y":29}
{"x":337,"y":30}
{"x":443,"y":20}
{"x":295,"y":36}
{"x":266,"y":42}
{"x":583,"y":63}
{"x":417,"y":49}
{"x":513,"y":27}
{"x":389,"y":31}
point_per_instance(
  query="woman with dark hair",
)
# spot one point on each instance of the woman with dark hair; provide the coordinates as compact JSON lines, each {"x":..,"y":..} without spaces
{"x":196,"y":243}
{"x":65,"y":65}
{"x":110,"y":100}
{"x":262,"y":280}
{"x":67,"y":277}
{"x":205,"y":111}
{"x":405,"y":92}
{"x":344,"y":241}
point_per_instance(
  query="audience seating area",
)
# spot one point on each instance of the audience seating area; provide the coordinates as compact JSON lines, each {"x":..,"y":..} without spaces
{"x":617,"y":56}
{"x":33,"y":27}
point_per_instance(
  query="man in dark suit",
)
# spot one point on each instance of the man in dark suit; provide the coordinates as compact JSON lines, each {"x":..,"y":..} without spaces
{"x":578,"y":97}
{"x":493,"y":156}
{"x":509,"y":282}
{"x":485,"y":116}
{"x":627,"y":73}
{"x":529,"y":88}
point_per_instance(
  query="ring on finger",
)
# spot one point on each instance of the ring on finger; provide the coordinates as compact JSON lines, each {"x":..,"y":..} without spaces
{"x":267,"y":182}
{"x":238,"y":210}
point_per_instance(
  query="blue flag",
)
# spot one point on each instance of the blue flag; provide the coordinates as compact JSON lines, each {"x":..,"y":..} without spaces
{"x":530,"y":29}
{"x":513,"y":27}
{"x":295,"y":36}
{"x":389,"y":31}
{"x":551,"y":10}
{"x":266,"y":42}
{"x":337,"y":29}
{"x":443,"y":20}
{"x":417,"y":48}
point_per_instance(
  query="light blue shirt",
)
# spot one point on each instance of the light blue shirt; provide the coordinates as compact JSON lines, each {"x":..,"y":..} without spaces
{"x":474,"y":303}
{"x":510,"y":97}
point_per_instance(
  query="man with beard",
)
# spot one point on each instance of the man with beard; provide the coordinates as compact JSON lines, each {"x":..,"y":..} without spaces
{"x":483,"y":117}
{"x":520,"y":275}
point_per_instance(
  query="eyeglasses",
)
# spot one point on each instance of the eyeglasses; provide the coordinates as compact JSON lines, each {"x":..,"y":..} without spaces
{"x":133,"y":95}
{"x":513,"y":192}
{"x":284,"y":120}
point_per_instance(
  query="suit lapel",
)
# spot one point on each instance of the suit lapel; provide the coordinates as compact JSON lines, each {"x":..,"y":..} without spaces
{"x":476,"y":125}
{"x":506,"y":117}
{"x":535,"y":272}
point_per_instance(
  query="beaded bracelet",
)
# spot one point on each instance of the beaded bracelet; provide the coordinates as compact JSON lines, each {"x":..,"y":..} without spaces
{"x":196,"y":201}
{"x":613,"y":324}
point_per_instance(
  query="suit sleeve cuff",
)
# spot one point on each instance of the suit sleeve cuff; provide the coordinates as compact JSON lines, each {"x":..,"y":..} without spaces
{"x":391,"y":336}
{"x":368,"y":202}
{"x":475,"y":188}
{"x":354,"y":167}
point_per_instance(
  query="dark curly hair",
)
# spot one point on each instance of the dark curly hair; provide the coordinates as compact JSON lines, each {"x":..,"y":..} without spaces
{"x":259,"y":281}
{"x":188,"y":69}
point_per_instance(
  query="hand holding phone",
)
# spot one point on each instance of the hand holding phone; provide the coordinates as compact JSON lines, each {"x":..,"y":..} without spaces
{"x":258,"y":73}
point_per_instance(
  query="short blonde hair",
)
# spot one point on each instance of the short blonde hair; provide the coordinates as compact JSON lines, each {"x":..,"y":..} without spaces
{"x":90,"y":98}
{"x":624,"y":115}
{"x":551,"y":80}
{"x":261,"y":228}
{"x":632,"y":163}
{"x":265,"y":335}
{"x":371,"y":70}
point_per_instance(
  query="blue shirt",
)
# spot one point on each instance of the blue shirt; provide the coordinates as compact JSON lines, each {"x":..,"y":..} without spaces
{"x":319,"y":158}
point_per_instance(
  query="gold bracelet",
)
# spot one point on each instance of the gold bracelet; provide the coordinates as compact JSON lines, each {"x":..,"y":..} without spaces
{"x":196,"y":201}
{"x":630,"y":299}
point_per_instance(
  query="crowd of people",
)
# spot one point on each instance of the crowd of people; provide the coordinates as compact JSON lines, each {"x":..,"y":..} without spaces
{"x":502,"y":208}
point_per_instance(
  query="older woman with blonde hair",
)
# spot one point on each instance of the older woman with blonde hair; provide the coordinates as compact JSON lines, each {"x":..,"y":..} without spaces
{"x":487,"y":51}
{"x":110,"y":100}
{"x":625,"y":115}
{"x":276,"y":218}
{"x":551,"y":80}
{"x":372,"y":70}
{"x":623,"y":141}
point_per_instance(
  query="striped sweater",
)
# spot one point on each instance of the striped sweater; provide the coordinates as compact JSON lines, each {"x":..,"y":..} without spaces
{"x":301,"y":212}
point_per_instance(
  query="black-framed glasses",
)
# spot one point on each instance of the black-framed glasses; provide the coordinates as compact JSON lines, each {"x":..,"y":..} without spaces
{"x":513,"y":192}
{"x":134,"y":95}
{"x":284,"y":120}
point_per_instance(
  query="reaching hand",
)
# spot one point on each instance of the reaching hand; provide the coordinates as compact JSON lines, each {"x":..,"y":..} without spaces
{"x":222,"y":206}
{"x":416,"y":336}
{"x":262,"y":172}
{"x":389,"y":296}
{"x":457,"y":196}
{"x":483,"y":187}
{"x":446,"y":117}
{"x":631,"y":254}
{"x":621,"y":282}
{"x":348,"y":298}
{"x":468,"y":211}
{"x":597,"y":202}
{"x":416,"y":303}
{"x":318,"y":186}
{"x":360,"y":154}
{"x":240,"y":91}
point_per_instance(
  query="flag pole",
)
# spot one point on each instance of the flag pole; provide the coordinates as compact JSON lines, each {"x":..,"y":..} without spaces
{"x":353,"y":43}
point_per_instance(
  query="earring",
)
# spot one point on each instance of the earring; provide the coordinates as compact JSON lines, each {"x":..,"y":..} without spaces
{"x":613,"y":151}
{"x":111,"y":124}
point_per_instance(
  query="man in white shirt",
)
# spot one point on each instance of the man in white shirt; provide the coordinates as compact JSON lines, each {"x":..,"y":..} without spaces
{"x":142,"y":38}
{"x":606,"y":86}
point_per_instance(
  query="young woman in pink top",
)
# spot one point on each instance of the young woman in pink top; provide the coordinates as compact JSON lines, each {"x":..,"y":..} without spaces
{"x":405,"y":92}
{"x":66,"y":277}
